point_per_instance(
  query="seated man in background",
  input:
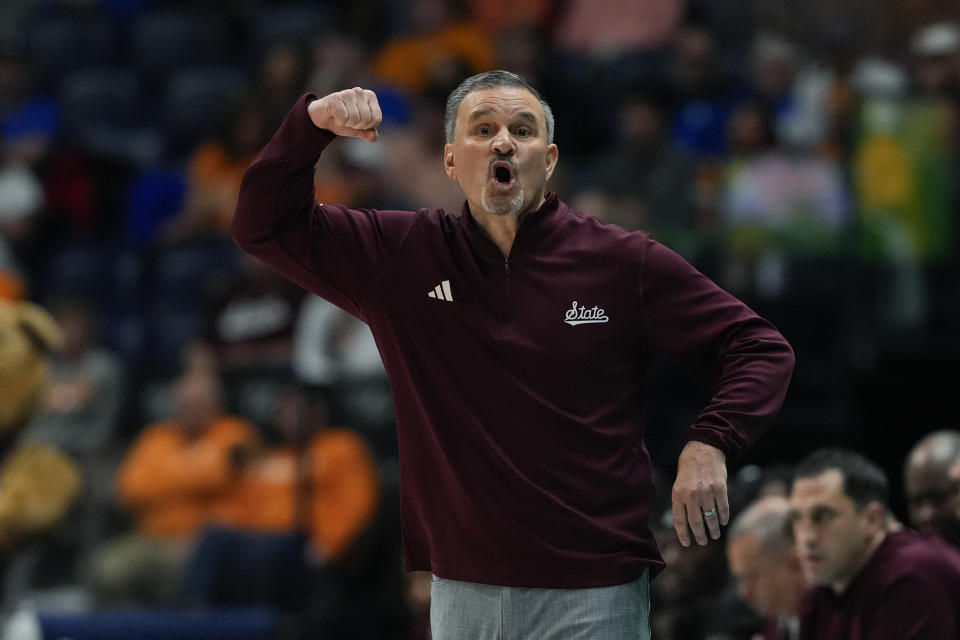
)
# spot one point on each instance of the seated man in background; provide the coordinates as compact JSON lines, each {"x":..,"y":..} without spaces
{"x":291,"y":529}
{"x":874,"y":580}
{"x":933,"y":497}
{"x":764,"y":562}
{"x":176,"y":480}
{"x":320,"y":480}
{"x":81,"y":407}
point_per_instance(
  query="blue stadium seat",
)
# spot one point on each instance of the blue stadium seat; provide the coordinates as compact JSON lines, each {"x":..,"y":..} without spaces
{"x":100,"y":95}
{"x":81,"y":268}
{"x":286,"y":23}
{"x":103,"y":113}
{"x":166,"y":40}
{"x":196,"y":101}
{"x":61,"y":43}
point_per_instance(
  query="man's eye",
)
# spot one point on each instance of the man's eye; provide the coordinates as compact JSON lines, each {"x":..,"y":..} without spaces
{"x":822,"y":516}
{"x":483,"y":131}
{"x":523,"y":132}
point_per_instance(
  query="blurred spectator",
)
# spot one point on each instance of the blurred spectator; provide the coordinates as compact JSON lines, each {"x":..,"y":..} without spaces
{"x":320,"y":480}
{"x":608,"y":28}
{"x":437,"y":39}
{"x":933,"y":497}
{"x":874,"y":580}
{"x":650,"y":177}
{"x":775,"y":205}
{"x":764,"y":562}
{"x":686,"y":591}
{"x":699,"y":90}
{"x":337,"y":61}
{"x":336,"y":352}
{"x":21,"y":202}
{"x":177,"y":478}
{"x":29,"y":120}
{"x":521,"y":48}
{"x":413,"y":171}
{"x":496,"y":16}
{"x":250,"y":322}
{"x":936,"y":59}
{"x":793,"y":90}
{"x":299,"y":506}
{"x":773,"y":65}
{"x":82,"y":402}
{"x":793,"y":195}
{"x":281,"y":80}
{"x":12,"y":286}
{"x":215,"y":170}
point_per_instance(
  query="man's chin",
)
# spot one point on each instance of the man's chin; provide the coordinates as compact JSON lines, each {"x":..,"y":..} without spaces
{"x":500,"y":204}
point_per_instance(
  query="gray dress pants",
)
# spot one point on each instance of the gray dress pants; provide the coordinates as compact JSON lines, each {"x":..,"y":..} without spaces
{"x":470,"y":611}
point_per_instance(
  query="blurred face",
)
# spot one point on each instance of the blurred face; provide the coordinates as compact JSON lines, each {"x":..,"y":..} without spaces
{"x":833,"y":537}
{"x":640,"y":123}
{"x":197,"y":402}
{"x":933,"y":498}
{"x":767,"y":580}
{"x":76,"y":328}
{"x":500,"y":154}
{"x":746,"y":130}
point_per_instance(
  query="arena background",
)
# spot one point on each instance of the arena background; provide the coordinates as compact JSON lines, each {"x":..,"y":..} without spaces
{"x":802,"y":154}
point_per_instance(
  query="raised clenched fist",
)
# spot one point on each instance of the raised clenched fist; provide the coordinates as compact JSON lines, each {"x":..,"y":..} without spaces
{"x":351,"y":112}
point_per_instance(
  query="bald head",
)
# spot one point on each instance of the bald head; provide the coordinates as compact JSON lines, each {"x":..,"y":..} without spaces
{"x":933,"y":496}
{"x":761,"y":556}
{"x":767,"y":520}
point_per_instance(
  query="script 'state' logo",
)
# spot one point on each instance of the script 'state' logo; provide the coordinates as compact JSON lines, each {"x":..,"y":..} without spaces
{"x":585,"y":315}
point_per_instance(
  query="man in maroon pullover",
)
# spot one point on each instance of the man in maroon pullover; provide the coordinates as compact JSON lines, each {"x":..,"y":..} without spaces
{"x":517,"y":334}
{"x":874,"y":579}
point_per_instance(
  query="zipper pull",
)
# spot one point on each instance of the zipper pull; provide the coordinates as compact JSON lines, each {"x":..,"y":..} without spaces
{"x":506,"y":265}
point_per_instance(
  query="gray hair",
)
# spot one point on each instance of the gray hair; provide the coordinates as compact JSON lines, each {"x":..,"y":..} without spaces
{"x":768,"y":521}
{"x":490,"y":80}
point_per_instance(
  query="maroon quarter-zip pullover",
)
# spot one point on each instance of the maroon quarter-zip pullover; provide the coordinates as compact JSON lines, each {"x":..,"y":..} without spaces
{"x":519,"y":382}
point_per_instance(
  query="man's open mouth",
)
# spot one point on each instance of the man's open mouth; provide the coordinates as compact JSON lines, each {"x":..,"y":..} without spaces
{"x":503,"y":174}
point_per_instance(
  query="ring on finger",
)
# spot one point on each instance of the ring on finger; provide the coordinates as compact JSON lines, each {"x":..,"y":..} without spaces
{"x":710,"y":514}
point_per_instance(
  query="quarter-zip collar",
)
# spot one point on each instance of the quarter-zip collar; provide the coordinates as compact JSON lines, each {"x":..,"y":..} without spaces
{"x":533,"y":227}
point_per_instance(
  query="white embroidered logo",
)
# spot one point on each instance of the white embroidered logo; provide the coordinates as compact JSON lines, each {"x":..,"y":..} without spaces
{"x":585,"y":315}
{"x":442,"y":292}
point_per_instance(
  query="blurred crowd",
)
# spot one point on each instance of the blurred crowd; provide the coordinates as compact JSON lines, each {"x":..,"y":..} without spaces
{"x":235,"y":435}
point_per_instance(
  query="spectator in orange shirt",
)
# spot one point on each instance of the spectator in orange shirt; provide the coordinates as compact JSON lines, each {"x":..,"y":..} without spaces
{"x":437,"y":43}
{"x":215,"y":169}
{"x":293,"y":523}
{"x":320,"y":480}
{"x":176,"y":479}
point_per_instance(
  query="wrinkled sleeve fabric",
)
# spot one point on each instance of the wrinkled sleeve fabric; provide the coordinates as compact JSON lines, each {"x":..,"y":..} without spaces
{"x":333,"y":251}
{"x":718,"y":339}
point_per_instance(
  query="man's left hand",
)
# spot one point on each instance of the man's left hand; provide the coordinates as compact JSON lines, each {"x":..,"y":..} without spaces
{"x":700,"y":493}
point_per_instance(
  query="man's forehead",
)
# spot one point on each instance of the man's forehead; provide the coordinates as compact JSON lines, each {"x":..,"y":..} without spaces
{"x":742,"y":549}
{"x":826,"y":486}
{"x":503,"y":100}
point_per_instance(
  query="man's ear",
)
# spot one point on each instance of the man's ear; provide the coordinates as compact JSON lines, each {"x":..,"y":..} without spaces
{"x":876,"y":515}
{"x":551,"y":159}
{"x":449,"y":163}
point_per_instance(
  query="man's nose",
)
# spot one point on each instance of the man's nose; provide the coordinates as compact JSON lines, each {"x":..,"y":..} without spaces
{"x":503,"y":143}
{"x":803,"y":536}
